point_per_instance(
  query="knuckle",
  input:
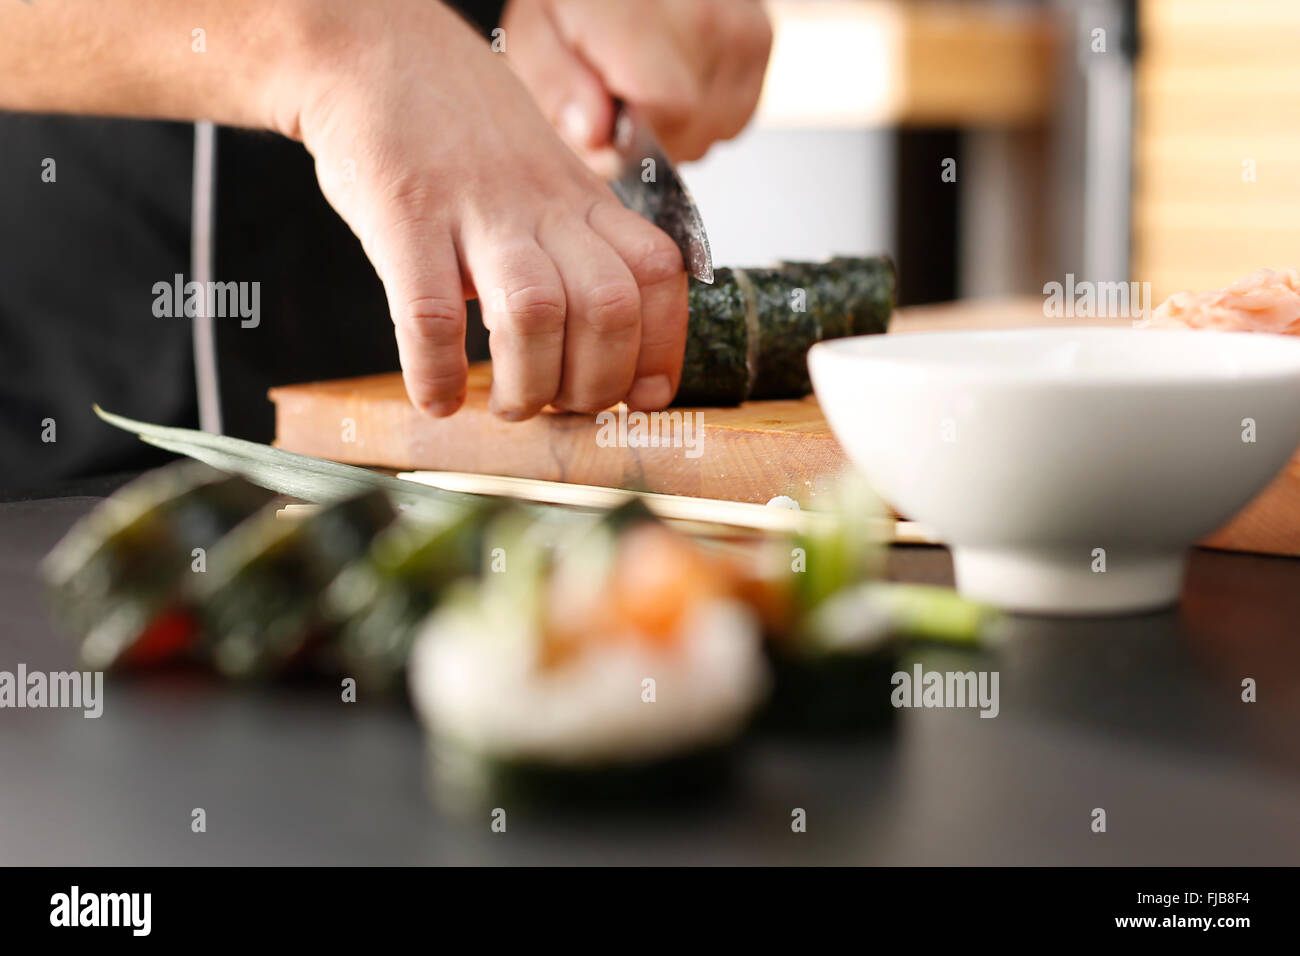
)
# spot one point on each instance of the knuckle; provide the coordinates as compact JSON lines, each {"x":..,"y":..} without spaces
{"x":433,"y":321}
{"x":429,"y":385}
{"x":412,"y":195}
{"x":536,"y":309}
{"x":658,"y":260}
{"x":614,"y":308}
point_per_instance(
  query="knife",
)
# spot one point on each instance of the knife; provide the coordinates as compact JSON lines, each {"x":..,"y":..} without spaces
{"x":647,"y":183}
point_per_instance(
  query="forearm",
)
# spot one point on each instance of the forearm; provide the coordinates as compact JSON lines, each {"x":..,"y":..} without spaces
{"x":237,"y":62}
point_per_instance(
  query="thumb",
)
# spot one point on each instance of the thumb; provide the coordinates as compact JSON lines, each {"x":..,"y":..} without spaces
{"x":569,"y":92}
{"x":585,"y":117}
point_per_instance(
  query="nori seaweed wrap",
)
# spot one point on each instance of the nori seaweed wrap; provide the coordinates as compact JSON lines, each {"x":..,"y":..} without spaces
{"x":833,"y":659}
{"x":260,"y":601}
{"x":463,"y":781}
{"x":718,"y":366}
{"x":116,"y":579}
{"x":834,"y":671}
{"x":825,"y":290}
{"x":870,"y":283}
{"x":832,"y":674}
{"x":377,"y":603}
{"x":786,"y":331}
{"x":750,"y":331}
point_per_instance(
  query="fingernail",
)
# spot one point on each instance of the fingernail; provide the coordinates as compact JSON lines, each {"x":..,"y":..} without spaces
{"x":506,"y":414}
{"x":574,"y":124}
{"x":653,"y":392}
{"x":443,"y":409}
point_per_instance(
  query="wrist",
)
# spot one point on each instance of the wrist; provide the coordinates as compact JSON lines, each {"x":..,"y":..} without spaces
{"x":318,"y":39}
{"x":338,"y":45}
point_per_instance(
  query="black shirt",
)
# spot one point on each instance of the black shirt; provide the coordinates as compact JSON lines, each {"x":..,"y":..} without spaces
{"x":85,"y":239}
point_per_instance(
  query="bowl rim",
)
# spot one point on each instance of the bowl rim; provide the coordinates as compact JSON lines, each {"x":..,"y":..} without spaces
{"x":862,"y":352}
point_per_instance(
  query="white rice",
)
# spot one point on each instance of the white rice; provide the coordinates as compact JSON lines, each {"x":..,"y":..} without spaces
{"x":488,"y":694}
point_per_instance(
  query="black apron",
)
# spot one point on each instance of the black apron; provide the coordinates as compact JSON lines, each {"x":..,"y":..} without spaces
{"x":85,"y":242}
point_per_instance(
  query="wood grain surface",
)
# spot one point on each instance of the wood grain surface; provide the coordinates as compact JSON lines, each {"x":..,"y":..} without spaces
{"x":749,"y":453}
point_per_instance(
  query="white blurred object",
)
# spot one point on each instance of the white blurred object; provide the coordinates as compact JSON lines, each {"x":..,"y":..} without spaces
{"x":795,"y":194}
{"x":1035,"y":452}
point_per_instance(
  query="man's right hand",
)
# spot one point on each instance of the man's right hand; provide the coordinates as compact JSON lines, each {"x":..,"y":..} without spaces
{"x":438,"y":159}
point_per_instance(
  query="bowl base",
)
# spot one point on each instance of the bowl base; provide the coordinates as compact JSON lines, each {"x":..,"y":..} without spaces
{"x":1060,"y":582}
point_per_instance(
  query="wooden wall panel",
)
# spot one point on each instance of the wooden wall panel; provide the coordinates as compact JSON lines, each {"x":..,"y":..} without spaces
{"x":1218,"y":84}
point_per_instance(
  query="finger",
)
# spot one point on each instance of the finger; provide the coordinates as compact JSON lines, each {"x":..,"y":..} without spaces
{"x":569,"y":92}
{"x":731,"y":77}
{"x":602,"y":333}
{"x":417,"y":261}
{"x":656,"y":264}
{"x":523,"y":302}
{"x":730,"y":98}
{"x":638,"y":58}
{"x":738,"y":81}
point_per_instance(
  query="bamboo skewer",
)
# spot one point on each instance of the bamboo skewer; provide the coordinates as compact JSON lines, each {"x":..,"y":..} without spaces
{"x":696,"y":515}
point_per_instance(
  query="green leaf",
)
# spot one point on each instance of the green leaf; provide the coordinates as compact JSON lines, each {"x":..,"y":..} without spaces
{"x":290,"y":473}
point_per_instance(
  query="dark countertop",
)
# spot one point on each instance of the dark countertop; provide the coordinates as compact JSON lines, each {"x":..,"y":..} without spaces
{"x":1139,"y":715}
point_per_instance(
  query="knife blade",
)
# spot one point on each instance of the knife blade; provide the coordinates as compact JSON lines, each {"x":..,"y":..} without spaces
{"x":648,"y":183}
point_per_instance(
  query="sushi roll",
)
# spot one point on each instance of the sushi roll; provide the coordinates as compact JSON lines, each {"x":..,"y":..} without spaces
{"x":720,"y":344}
{"x":620,"y":672}
{"x":838,"y":631}
{"x":832,"y":671}
{"x":750,"y":331}
{"x":377,"y":603}
{"x":260,"y":602}
{"x":116,"y":579}
{"x":829,"y":653}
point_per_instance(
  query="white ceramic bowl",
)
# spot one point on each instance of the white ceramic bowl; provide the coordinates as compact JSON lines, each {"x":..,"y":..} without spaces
{"x":1037,"y":454}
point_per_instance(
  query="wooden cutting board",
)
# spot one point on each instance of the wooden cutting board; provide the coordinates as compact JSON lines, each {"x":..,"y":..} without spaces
{"x":749,"y":453}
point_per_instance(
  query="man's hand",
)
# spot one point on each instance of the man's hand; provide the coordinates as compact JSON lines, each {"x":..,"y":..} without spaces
{"x":459,"y":187}
{"x":433,"y":152}
{"x":694,"y":68}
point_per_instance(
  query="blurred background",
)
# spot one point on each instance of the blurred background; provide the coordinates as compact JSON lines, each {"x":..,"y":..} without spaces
{"x":1143,"y":140}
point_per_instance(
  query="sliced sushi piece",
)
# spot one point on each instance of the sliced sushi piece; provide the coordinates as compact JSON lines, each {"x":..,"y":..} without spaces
{"x":377,"y":603}
{"x":832,"y":670}
{"x":116,"y":579}
{"x":721,"y":338}
{"x":624,"y":677}
{"x":787,"y":329}
{"x":835,"y":632}
{"x":260,"y":600}
{"x":830,"y":652}
{"x":822,"y":289}
{"x":870,"y":284}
